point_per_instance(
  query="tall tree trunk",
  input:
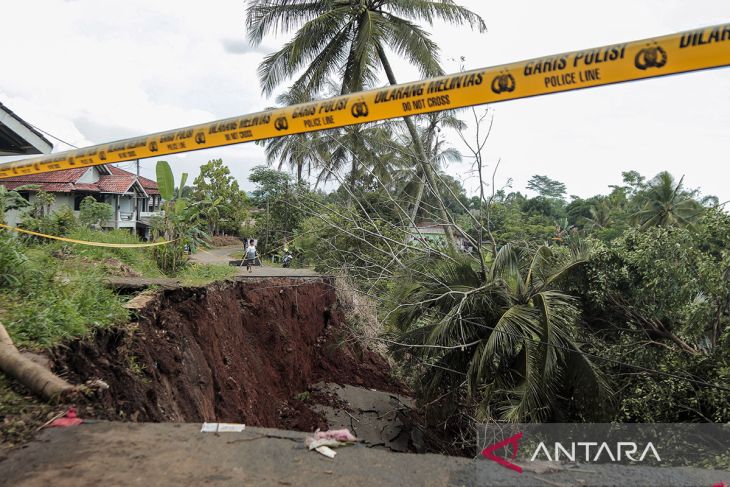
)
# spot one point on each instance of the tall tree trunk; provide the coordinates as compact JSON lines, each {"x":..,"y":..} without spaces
{"x":300,"y":166}
{"x":418,"y":196}
{"x":422,"y":157}
{"x":355,"y":168}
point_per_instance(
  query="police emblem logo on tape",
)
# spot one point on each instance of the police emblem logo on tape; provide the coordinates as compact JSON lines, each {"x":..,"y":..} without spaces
{"x":651,"y":57}
{"x":200,"y":138}
{"x":503,"y":83}
{"x":153,"y":146}
{"x":281,"y":124}
{"x":359,"y":109}
{"x":102,"y":155}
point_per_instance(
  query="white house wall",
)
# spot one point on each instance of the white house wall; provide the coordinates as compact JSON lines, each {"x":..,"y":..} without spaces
{"x":14,"y":217}
{"x":90,"y":176}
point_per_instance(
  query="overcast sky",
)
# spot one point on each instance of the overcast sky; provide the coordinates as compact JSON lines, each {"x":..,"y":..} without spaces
{"x":93,"y":71}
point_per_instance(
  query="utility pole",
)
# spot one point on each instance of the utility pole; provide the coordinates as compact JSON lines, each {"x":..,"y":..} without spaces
{"x":137,"y":199}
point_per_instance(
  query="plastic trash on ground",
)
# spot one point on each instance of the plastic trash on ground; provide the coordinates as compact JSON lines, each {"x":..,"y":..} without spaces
{"x":339,"y":435}
{"x":68,"y":419}
{"x":324,"y":441}
{"x":222,"y":428}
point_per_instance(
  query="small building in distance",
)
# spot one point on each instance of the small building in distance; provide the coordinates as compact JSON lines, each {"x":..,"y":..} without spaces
{"x":434,"y":235}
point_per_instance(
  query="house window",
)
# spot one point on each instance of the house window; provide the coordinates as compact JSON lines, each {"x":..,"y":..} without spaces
{"x":78,"y":198}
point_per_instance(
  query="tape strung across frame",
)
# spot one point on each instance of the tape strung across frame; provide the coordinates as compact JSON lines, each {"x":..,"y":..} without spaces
{"x":86,"y":242}
{"x":694,"y":50}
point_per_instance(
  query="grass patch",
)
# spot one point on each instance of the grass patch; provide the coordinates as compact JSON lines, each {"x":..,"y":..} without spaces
{"x":54,"y":306}
{"x":50,"y":297}
{"x":201,"y":274}
{"x":141,"y":260}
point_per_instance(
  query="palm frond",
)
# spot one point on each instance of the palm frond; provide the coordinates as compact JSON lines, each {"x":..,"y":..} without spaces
{"x":410,"y":41}
{"x":429,"y":10}
{"x":278,"y":16}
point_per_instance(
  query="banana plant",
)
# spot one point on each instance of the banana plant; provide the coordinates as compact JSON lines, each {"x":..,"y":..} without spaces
{"x":181,"y":222}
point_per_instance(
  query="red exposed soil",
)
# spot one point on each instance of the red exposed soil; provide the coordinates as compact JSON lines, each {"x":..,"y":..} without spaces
{"x":232,"y":352}
{"x":223,"y":240}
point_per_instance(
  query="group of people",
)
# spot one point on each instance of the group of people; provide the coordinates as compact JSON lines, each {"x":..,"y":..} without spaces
{"x":250,"y":255}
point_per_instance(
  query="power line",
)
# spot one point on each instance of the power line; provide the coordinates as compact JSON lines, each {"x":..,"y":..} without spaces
{"x":52,"y":136}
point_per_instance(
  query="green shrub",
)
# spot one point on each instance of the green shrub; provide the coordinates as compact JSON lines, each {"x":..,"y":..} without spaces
{"x":44,"y":224}
{"x":12,"y":260}
{"x":64,"y":220}
{"x":91,"y":212}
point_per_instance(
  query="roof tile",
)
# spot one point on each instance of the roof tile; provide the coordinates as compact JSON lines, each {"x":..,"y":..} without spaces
{"x":65,"y":181}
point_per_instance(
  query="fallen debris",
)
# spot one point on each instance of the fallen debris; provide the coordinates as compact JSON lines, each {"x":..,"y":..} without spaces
{"x":342,"y":435}
{"x":324,"y":441}
{"x":222,"y":428}
{"x":69,"y":419}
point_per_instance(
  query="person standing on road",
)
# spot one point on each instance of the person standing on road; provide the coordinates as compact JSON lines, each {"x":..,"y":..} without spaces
{"x":250,"y":255}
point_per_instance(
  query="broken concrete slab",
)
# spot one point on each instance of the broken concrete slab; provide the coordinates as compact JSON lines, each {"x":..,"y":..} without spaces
{"x":374,"y":416}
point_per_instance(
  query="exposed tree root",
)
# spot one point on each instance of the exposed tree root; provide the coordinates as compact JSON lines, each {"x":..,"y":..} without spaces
{"x":38,"y":380}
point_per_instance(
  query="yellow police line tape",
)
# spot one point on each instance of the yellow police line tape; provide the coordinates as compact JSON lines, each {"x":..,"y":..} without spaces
{"x":694,"y":50}
{"x":86,"y":242}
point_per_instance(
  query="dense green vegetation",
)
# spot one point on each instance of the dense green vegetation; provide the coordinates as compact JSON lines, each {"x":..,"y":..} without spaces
{"x":525,"y":307}
{"x":584,"y":312}
{"x":535,"y":306}
{"x":51,"y":290}
{"x":50,"y":294}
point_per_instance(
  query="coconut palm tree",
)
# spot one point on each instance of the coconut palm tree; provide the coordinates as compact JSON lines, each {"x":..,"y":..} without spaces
{"x":600,"y":216}
{"x":666,"y":203}
{"x":437,"y":150}
{"x":509,"y":337}
{"x":298,"y":151}
{"x":349,"y":38}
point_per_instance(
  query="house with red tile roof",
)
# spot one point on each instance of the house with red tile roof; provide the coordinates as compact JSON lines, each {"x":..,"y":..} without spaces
{"x":135,"y":199}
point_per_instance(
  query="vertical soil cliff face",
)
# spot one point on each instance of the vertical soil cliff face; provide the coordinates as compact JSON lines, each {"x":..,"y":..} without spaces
{"x":235,"y":352}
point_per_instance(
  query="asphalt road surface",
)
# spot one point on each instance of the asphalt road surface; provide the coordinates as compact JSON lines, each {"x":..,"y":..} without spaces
{"x":177,"y":454}
{"x":222,"y":256}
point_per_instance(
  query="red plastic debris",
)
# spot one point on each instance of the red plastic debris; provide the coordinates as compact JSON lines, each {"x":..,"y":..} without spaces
{"x":68,"y":419}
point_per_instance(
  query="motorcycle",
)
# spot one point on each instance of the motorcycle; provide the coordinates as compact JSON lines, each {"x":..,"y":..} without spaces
{"x":286,"y":260}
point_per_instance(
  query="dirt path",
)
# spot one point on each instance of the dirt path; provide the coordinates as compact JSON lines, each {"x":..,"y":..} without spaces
{"x":222,"y":256}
